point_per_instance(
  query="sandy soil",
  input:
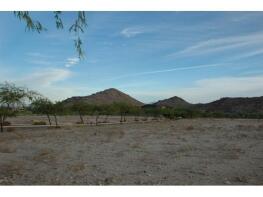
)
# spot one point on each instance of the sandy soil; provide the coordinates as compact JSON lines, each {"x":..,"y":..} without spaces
{"x":182,"y":152}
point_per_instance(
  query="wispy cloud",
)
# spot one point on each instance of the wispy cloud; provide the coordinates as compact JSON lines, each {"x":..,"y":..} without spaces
{"x":38,"y":55}
{"x":71,"y":62}
{"x":247,"y":54}
{"x":222,"y":44}
{"x":168,"y":70}
{"x":47,"y":81}
{"x":37,"y":58}
{"x":132,"y":31}
{"x":45,"y":77}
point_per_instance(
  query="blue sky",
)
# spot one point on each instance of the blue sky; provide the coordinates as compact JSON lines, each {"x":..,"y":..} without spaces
{"x":199,"y":56}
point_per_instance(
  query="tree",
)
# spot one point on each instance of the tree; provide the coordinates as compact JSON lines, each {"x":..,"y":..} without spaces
{"x":12,"y":99}
{"x":57,"y":108}
{"x":97,"y":112}
{"x":81,"y":108}
{"x":123,"y":109}
{"x":107,"y":110}
{"x":136,"y":111}
{"x":79,"y":25}
{"x":43,"y":106}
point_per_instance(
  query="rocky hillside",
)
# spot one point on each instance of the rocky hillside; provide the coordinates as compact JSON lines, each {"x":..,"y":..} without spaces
{"x":108,"y":96}
{"x":235,"y":105}
{"x":175,"y":101}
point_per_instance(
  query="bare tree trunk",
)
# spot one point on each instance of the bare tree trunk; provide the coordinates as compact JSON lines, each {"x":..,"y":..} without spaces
{"x":97,"y":118}
{"x":56,"y":121}
{"x":81,"y":118}
{"x":49,"y":119}
{"x":121,"y":119}
{"x":1,"y":123}
{"x":124,"y":117}
{"x":106,"y":119}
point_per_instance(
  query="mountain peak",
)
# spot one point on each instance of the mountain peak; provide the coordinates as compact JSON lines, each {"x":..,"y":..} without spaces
{"x":107,"y":96}
{"x":174,"y":101}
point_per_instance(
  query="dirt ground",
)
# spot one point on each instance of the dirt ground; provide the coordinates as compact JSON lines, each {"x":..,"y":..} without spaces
{"x":180,"y":152}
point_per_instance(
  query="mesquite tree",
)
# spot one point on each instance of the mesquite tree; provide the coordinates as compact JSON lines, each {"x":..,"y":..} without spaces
{"x":81,"y":108}
{"x":12,"y":99}
{"x":43,"y":106}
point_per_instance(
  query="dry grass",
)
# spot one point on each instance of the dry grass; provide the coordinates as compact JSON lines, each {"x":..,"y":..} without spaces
{"x":260,"y":127}
{"x":11,"y":169}
{"x":77,"y":167}
{"x":135,"y":154}
{"x":38,"y":122}
{"x":45,"y":155}
{"x":189,"y":128}
{"x":113,"y":134}
{"x":185,"y":149}
{"x":7,"y":149}
{"x":10,"y":129}
{"x":246,"y":127}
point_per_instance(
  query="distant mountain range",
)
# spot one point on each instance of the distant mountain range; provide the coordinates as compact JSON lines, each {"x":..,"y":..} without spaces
{"x":228,"y":105}
{"x":234,"y":105}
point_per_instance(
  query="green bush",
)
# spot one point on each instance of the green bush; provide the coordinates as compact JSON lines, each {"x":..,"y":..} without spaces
{"x":37,"y":122}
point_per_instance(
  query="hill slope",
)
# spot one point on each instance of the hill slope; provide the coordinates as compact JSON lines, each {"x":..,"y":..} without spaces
{"x":235,"y":105}
{"x":172,"y":102}
{"x":108,"y":96}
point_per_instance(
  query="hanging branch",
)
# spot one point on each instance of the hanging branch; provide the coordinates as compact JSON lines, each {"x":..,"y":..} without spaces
{"x":31,"y":25}
{"x":78,"y":26}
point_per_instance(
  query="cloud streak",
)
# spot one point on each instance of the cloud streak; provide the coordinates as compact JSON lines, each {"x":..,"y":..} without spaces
{"x":45,"y":77}
{"x":254,"y":40}
{"x":169,"y":70}
{"x":132,"y":31}
{"x":71,"y":62}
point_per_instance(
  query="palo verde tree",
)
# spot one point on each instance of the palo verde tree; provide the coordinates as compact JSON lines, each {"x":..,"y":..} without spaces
{"x":81,"y":108}
{"x":136,"y":111}
{"x":123,"y":110}
{"x":97,"y":111}
{"x":57,"y":108}
{"x":43,"y":106}
{"x":12,"y":99}
{"x":78,"y":27}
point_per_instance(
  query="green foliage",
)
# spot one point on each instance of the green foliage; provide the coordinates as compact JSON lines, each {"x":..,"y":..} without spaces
{"x":78,"y":27}
{"x":37,"y":122}
{"x":58,"y":20}
{"x":42,"y":106}
{"x":12,"y":99}
{"x":31,"y":25}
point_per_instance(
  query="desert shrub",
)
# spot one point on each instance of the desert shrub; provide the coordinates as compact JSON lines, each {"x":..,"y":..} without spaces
{"x":10,"y":129}
{"x":6,"y":123}
{"x":189,"y":128}
{"x":7,"y":149}
{"x":38,"y":122}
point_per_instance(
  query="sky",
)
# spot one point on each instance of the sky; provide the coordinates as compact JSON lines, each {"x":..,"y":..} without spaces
{"x":198,"y":56}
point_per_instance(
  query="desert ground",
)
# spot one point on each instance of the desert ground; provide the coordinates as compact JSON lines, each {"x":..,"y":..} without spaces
{"x":178,"y":152}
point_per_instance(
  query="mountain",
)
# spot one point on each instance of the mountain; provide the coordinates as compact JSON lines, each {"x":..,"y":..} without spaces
{"x":225,"y":105}
{"x":234,"y":105}
{"x":175,"y":101}
{"x":108,"y":96}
